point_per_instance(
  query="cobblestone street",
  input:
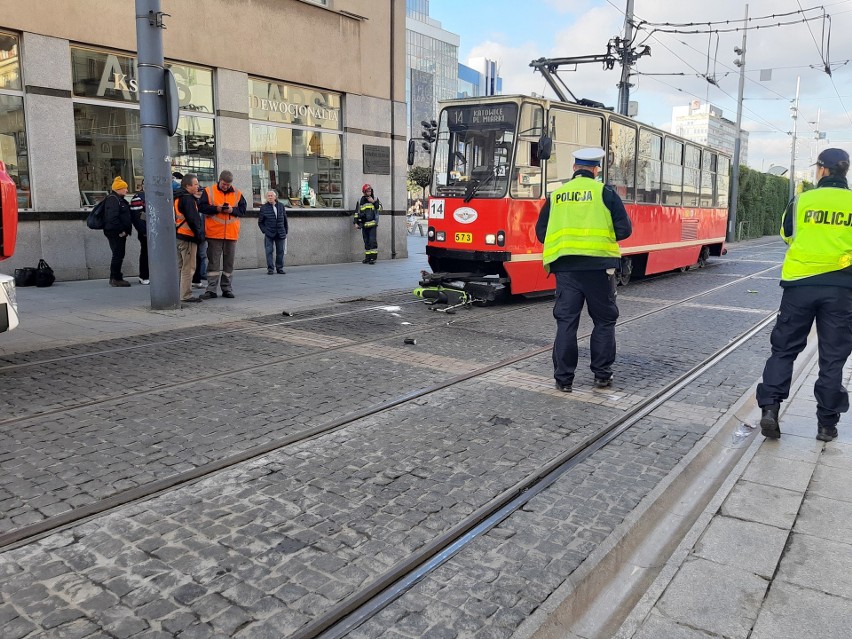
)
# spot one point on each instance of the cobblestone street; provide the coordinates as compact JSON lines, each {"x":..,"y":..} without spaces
{"x":268,"y":545}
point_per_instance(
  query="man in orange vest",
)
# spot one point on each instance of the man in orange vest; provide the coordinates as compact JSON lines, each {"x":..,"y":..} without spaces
{"x":222,"y":206}
{"x":190,"y":233}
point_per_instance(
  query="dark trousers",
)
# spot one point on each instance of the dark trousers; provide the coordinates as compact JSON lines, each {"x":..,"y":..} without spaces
{"x":597,"y":290}
{"x":143,"y":258}
{"x":370,"y":243}
{"x":276,"y":243}
{"x":118,"y":246}
{"x":831,"y":307}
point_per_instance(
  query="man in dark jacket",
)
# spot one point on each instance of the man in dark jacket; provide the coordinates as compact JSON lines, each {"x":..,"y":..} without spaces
{"x":118,"y":225}
{"x":137,"y":216}
{"x":190,"y":233}
{"x":581,"y":209}
{"x":272,"y":220}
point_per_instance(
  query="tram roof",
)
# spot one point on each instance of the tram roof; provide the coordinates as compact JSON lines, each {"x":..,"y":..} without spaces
{"x":547,"y":103}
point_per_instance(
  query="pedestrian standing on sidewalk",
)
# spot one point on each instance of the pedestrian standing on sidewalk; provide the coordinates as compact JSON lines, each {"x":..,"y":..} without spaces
{"x":272,"y":220}
{"x":190,"y":233}
{"x":817,"y":282}
{"x":580,"y":225}
{"x":222,"y":206}
{"x":367,"y":219}
{"x":118,"y":225}
{"x":137,"y":216}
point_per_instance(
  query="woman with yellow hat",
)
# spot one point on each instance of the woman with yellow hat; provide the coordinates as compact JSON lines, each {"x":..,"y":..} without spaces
{"x":117,"y":227}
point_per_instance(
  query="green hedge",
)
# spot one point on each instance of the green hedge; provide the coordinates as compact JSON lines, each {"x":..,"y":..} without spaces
{"x":761,"y":202}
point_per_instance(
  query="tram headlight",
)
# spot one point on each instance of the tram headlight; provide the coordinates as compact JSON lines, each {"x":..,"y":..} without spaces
{"x":431,"y":233}
{"x":491,"y":239}
{"x":441,"y":236}
{"x":501,"y":238}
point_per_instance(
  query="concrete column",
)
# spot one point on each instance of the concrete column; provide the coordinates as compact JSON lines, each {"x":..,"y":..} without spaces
{"x":233,"y":141}
{"x":49,"y":117}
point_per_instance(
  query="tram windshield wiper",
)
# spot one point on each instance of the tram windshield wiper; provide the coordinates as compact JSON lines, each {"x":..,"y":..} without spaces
{"x":476,"y":182}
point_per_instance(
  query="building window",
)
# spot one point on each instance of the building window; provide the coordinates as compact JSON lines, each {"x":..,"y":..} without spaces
{"x":13,"y":134}
{"x":296,"y":145}
{"x":106,"y":122}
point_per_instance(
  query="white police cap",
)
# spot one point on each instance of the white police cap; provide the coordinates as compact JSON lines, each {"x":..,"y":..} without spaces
{"x":589,"y":157}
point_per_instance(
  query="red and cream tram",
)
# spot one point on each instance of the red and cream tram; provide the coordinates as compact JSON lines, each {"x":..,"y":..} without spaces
{"x":492,"y":172}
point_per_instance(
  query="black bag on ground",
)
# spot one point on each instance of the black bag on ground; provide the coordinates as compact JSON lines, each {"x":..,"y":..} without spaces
{"x":96,"y":219}
{"x":44,"y":275}
{"x":25,"y":276}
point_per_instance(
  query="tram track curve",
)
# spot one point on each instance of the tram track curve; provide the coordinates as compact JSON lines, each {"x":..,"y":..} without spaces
{"x":27,"y":533}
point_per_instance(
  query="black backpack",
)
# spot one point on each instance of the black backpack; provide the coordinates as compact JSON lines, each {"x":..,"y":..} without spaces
{"x":96,"y":220}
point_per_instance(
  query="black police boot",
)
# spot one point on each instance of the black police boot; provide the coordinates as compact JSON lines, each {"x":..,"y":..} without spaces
{"x":565,"y":388}
{"x":769,"y":421}
{"x":826,"y":433}
{"x":603,"y":382}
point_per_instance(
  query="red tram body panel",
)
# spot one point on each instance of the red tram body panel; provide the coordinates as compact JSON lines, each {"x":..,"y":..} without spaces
{"x":489,"y":186}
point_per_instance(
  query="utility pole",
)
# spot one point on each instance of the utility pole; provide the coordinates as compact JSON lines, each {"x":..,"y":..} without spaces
{"x":794,"y":113}
{"x":735,"y":174}
{"x":626,"y":61}
{"x":154,"y":122}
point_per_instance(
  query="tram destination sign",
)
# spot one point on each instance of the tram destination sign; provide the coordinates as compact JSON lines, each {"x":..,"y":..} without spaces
{"x":497,"y":116}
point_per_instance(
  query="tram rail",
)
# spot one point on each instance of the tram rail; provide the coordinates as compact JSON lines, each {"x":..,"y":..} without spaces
{"x":28,"y":533}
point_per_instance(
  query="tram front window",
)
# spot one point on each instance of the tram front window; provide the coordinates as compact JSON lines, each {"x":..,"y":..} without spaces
{"x":473,"y":152}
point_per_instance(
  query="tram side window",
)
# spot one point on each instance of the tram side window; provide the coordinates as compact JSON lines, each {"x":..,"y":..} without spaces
{"x":570,"y":131}
{"x":621,"y":160}
{"x":722,"y":182}
{"x":691,"y":175}
{"x":649,"y":169}
{"x":526,"y":178}
{"x":672,"y":172}
{"x":708,"y":180}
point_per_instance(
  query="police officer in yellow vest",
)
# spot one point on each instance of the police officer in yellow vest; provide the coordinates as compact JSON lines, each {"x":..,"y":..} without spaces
{"x":817,"y":281}
{"x":579,"y":226}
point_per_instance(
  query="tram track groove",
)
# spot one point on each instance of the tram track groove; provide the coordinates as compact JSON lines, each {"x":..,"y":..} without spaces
{"x":25,"y":534}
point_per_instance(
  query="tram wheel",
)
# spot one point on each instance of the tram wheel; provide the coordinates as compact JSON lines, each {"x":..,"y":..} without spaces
{"x":623,"y":274}
{"x":703,"y":256}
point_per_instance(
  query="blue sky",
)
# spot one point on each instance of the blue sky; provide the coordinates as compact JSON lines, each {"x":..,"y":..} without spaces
{"x":516,"y":31}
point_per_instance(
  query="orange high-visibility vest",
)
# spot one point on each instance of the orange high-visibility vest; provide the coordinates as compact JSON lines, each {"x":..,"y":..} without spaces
{"x":181,"y":224}
{"x":222,"y":226}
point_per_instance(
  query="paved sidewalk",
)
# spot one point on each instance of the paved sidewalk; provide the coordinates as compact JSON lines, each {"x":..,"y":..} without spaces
{"x":775,"y":561}
{"x":90,"y":310}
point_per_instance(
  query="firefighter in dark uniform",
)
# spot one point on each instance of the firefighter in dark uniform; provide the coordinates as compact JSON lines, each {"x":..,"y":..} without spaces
{"x":367,"y":219}
{"x":817,"y":281}
{"x":579,"y":226}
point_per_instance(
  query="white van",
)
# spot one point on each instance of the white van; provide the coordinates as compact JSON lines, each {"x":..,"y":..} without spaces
{"x":8,"y":303}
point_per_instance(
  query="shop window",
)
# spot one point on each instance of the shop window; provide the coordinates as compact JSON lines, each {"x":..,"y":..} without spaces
{"x":621,"y":160}
{"x":649,"y":169}
{"x":13,"y":138}
{"x":302,"y":166}
{"x":109,"y":143}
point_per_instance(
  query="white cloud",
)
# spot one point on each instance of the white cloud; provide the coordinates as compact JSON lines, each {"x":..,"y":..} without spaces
{"x":595,"y":23}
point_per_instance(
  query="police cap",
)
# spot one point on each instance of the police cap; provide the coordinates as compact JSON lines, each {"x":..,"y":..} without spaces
{"x":834,"y":158}
{"x":589,"y":157}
